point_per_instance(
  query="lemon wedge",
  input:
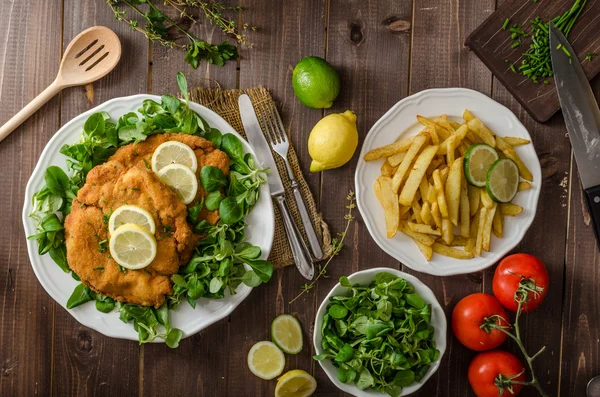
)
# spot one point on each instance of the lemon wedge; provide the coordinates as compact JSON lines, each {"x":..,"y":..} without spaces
{"x":295,"y":383}
{"x":132,"y":246}
{"x":265,"y":360}
{"x":173,"y":152}
{"x":131,"y":214}
{"x":182,"y":180}
{"x":286,"y":333}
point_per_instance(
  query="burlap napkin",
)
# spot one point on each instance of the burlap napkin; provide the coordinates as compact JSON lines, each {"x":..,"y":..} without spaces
{"x":225,"y":103}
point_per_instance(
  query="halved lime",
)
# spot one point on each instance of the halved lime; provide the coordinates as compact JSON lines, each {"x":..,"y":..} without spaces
{"x":502,"y":181}
{"x":478,"y":160}
{"x":286,"y":333}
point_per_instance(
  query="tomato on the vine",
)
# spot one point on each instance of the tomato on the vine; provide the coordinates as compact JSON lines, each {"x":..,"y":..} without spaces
{"x":524,"y":273}
{"x":472,"y":321}
{"x":490,"y":372}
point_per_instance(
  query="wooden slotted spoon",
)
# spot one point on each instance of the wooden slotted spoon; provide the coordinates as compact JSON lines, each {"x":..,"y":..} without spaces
{"x":90,"y":55}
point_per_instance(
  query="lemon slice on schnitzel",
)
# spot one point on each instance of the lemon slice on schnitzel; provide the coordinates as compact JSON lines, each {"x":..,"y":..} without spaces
{"x":132,"y":246}
{"x":182,"y":180}
{"x":173,"y":152}
{"x":131,"y":214}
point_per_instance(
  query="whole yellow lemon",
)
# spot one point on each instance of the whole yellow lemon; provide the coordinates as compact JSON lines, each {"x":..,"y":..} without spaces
{"x":332,"y":141}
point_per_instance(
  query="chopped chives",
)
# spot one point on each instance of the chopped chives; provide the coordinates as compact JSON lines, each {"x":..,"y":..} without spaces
{"x":515,"y":44}
{"x":505,"y":24}
{"x":512,"y":67}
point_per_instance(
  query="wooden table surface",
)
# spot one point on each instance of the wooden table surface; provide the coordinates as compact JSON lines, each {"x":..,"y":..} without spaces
{"x":44,"y":351}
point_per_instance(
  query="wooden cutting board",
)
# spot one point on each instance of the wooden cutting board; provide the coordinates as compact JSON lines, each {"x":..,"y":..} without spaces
{"x":493,"y":46}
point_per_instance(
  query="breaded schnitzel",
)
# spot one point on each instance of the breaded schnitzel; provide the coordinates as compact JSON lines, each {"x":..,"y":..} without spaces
{"x":127,"y":179}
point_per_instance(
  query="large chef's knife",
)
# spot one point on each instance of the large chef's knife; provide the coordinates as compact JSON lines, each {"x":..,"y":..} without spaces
{"x":582,"y":118}
{"x":263,"y":152}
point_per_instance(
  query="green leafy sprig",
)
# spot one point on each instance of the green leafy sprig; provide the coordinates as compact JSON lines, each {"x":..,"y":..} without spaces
{"x":157,"y":25}
{"x":336,"y":246}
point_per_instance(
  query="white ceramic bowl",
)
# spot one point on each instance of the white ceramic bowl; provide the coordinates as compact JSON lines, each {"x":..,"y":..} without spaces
{"x":365,"y":277}
{"x":401,"y":120}
{"x":60,"y":285}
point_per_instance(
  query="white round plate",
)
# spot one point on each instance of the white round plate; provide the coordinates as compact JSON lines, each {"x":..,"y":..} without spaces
{"x":401,"y":120}
{"x":60,"y":285}
{"x":364,"y":277}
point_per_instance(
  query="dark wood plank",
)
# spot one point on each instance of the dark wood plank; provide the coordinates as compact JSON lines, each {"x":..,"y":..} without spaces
{"x":579,"y":357}
{"x":493,"y":46}
{"x":27,"y":66}
{"x":440,"y":60}
{"x":85,"y":362}
{"x":288,"y":32}
{"x":373,"y":62}
{"x":201,"y":360}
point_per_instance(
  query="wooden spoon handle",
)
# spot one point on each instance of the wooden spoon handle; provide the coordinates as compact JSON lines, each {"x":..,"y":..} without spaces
{"x":28,"y":110}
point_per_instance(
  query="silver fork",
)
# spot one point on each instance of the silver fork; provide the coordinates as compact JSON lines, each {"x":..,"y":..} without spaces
{"x":279,"y":142}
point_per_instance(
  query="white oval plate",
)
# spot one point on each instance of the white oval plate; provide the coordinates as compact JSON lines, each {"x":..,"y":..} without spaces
{"x":60,"y":285}
{"x":401,"y":120}
{"x":364,"y":277}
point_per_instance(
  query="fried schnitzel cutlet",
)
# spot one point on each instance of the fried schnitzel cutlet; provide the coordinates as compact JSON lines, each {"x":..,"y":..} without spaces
{"x":126,"y":178}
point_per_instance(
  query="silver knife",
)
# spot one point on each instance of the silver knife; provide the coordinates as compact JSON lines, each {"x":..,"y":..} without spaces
{"x":263,"y":152}
{"x":582,"y":118}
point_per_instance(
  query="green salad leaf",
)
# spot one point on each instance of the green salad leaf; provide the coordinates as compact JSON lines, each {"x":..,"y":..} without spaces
{"x":379,"y":336}
{"x":222,"y":259}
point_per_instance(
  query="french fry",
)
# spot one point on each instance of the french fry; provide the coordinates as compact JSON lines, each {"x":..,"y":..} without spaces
{"x":465,"y":214}
{"x":377,"y":190}
{"x":480,"y":230}
{"x":424,"y":189}
{"x":489,"y":219}
{"x":435,"y":214}
{"x":387,"y":169}
{"x":432,"y":125}
{"x":470,"y":247}
{"x":447,"y":234}
{"x":454,"y":124}
{"x":451,"y":252}
{"x":453,"y":188}
{"x":426,"y":213}
{"x":450,"y":147}
{"x":467,"y":116}
{"x":498,"y":224}
{"x":422,"y":238}
{"x":435,"y":139}
{"x":439,"y":189}
{"x":422,"y":228}
{"x":412,"y":152}
{"x":389,"y":150}
{"x":510,"y":209}
{"x":510,"y":153}
{"x":486,"y":200}
{"x":515,"y":141}
{"x":474,"y":198}
{"x":396,"y":159}
{"x":416,"y":174}
{"x":404,"y":211}
{"x":416,"y":209}
{"x":432,"y":197}
{"x":390,"y":206}
{"x":444,"y":174}
{"x":460,"y":241}
{"x":426,"y":250}
{"x":524,"y":186}
{"x":482,"y":131}
{"x":435,"y":163}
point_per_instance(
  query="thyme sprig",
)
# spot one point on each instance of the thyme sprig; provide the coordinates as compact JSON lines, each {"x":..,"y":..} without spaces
{"x":336,"y":246}
{"x":156,"y":25}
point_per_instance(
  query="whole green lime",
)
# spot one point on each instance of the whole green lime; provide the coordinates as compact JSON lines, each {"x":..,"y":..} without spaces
{"x":315,"y":82}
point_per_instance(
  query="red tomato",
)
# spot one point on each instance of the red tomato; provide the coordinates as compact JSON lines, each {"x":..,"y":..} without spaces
{"x":509,"y":274}
{"x":468,"y":316}
{"x":486,"y":366}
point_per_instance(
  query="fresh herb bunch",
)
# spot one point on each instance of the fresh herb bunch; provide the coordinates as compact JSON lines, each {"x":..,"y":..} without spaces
{"x":220,"y":255}
{"x":157,"y":26}
{"x":537,"y":62}
{"x":379,"y":336}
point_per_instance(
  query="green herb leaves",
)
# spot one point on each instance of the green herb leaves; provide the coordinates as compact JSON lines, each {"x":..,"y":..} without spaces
{"x":379,"y":336}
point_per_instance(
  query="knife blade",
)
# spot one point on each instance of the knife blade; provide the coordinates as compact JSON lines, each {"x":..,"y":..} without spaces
{"x":258,"y":142}
{"x":582,"y":118}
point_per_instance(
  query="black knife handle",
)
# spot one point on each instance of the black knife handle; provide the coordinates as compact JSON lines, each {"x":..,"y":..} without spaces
{"x":593,"y":199}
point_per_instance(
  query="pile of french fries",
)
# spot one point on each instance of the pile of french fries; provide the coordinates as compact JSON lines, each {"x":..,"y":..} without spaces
{"x":425,"y":195}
